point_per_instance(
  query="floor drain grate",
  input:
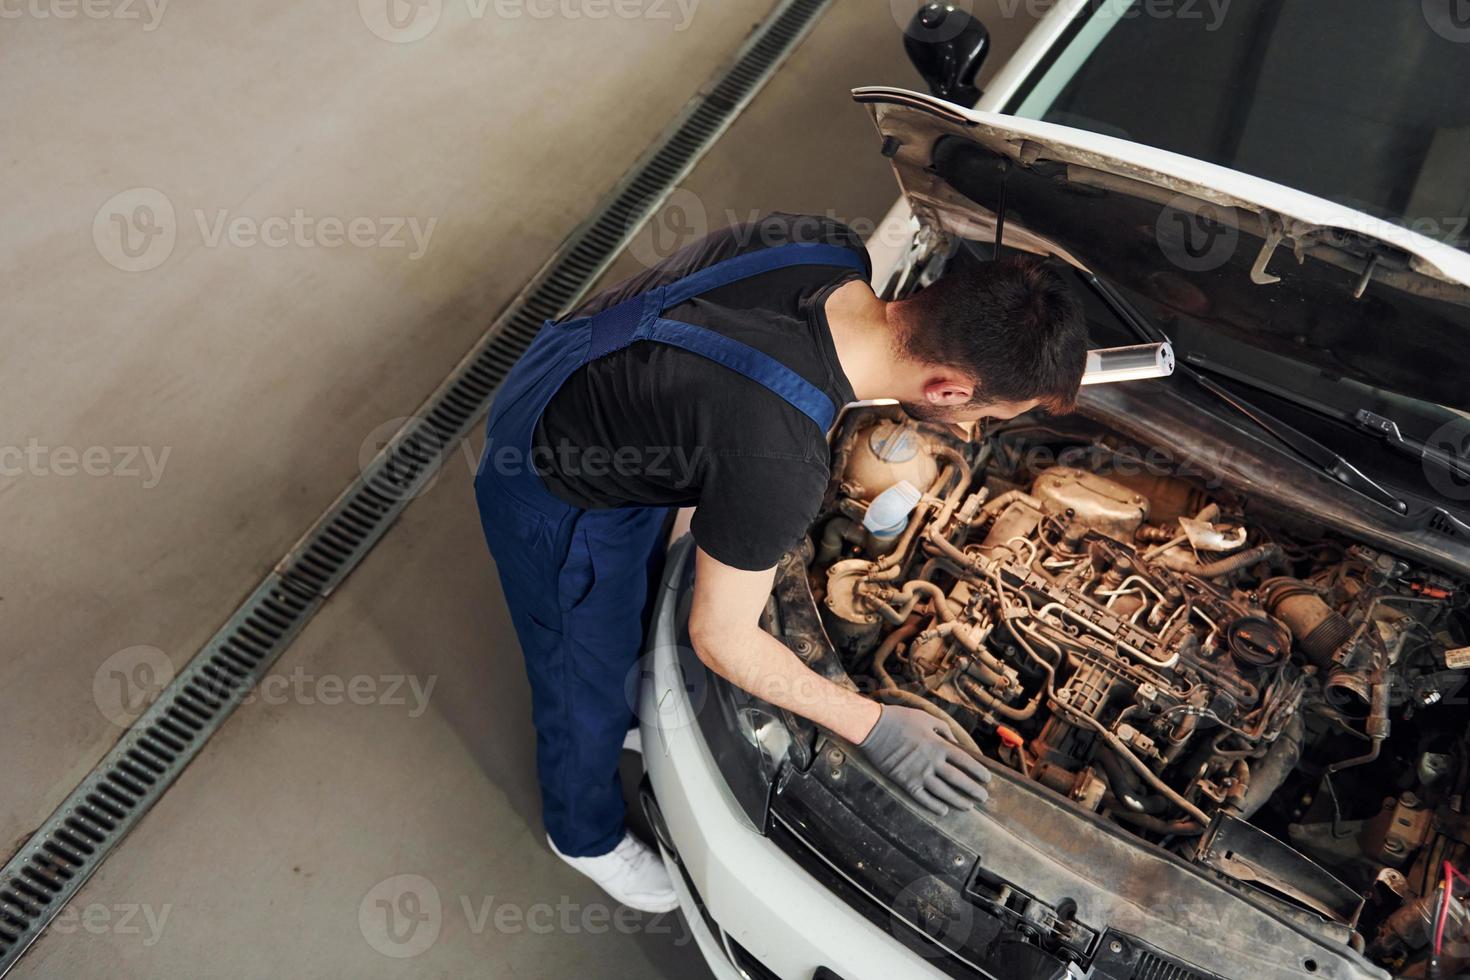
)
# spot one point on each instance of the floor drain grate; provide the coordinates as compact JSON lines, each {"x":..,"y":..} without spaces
{"x":52,"y":865}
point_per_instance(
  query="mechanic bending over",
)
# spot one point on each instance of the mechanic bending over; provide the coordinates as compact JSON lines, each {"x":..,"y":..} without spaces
{"x":711,"y":381}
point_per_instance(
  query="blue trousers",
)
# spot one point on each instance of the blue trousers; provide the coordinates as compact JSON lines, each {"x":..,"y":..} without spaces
{"x":575,"y":582}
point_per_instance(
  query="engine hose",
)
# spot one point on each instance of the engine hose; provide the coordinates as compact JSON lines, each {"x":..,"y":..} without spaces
{"x":1149,"y":776}
{"x":833,"y":536}
{"x":886,"y":648}
{"x":911,"y":700}
{"x":936,"y":595}
{"x":1178,"y":828}
{"x":1126,"y":788}
{"x":992,"y":703}
{"x":1226,"y":565}
{"x":961,"y":467}
{"x":1267,"y":775}
{"x":891,"y":565}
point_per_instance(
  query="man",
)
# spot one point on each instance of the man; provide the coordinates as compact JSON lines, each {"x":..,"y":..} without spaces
{"x":710,"y":381}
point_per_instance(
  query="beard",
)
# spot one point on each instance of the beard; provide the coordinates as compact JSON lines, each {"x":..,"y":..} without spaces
{"x":925,"y":412}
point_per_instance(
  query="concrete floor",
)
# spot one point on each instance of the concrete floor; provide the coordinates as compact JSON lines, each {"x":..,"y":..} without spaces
{"x":262,"y":372}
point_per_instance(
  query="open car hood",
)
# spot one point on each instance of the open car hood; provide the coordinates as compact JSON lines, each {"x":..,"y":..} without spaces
{"x":1220,"y":260}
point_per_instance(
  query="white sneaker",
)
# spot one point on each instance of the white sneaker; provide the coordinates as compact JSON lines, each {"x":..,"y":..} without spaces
{"x":632,"y":873}
{"x":633,"y":741}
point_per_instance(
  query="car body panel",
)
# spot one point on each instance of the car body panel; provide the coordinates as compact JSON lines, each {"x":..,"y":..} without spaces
{"x":757,"y":895}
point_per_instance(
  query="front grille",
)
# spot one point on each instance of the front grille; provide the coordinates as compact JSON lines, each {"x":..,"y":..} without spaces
{"x":1153,"y":967}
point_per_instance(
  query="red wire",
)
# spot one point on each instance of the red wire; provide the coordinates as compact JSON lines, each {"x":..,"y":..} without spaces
{"x":1450,"y":874}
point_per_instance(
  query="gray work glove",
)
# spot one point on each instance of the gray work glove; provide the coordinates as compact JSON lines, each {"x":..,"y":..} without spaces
{"x":918,"y":752}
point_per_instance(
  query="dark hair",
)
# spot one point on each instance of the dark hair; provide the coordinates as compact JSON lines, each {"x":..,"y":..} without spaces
{"x":1014,"y":325}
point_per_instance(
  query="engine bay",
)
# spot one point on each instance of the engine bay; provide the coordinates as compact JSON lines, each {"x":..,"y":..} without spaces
{"x":1221,"y":676}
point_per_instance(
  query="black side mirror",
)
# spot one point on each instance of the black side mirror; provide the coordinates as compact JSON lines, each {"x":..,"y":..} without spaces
{"x":948,"y":46}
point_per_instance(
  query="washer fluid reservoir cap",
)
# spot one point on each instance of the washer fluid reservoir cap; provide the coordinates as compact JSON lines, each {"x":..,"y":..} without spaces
{"x":894,"y":442}
{"x":889,"y":512}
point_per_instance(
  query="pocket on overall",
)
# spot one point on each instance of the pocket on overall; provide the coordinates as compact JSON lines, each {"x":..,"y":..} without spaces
{"x":606,"y":578}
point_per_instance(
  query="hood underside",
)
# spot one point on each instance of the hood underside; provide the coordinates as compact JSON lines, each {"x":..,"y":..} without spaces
{"x":1214,"y":256}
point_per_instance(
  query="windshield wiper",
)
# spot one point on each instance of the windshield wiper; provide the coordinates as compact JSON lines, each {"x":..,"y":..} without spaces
{"x":1363,"y":419}
{"x":1320,"y":455}
{"x":1316,"y":453}
{"x":1451,"y":463}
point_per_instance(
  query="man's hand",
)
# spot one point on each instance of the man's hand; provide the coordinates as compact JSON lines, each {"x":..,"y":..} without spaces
{"x":724,"y":624}
{"x":917,"y":751}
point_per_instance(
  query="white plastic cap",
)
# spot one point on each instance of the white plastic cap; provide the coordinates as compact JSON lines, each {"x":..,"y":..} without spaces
{"x":889,"y":512}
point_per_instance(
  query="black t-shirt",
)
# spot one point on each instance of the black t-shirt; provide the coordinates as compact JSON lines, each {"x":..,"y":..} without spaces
{"x":657,"y":425}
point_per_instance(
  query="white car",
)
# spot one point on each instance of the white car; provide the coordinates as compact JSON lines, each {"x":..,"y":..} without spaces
{"x":1208,"y":632}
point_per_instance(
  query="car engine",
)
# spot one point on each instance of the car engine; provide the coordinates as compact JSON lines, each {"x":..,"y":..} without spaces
{"x":1221,"y":677}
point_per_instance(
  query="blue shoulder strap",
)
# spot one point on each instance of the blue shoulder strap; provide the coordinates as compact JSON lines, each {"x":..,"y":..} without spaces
{"x":640,"y":318}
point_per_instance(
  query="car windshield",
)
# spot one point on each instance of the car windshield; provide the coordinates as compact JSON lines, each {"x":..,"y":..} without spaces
{"x":1361,"y":102}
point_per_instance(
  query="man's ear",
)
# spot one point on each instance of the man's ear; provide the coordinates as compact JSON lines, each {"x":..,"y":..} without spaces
{"x":948,"y":390}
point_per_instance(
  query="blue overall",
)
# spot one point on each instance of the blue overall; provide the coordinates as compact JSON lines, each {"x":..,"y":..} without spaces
{"x":576,"y":580}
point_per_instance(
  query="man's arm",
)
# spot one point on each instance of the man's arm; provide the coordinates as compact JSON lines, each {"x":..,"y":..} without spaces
{"x":909,"y":746}
{"x":725,"y":627}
